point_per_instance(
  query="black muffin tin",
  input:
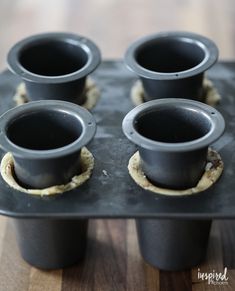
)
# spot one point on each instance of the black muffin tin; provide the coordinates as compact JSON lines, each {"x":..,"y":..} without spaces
{"x":111,"y":192}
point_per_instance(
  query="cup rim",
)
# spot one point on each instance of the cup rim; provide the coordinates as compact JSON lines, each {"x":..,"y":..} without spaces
{"x":215,"y":118}
{"x":85,"y":118}
{"x":208,"y":46}
{"x":88,"y":46}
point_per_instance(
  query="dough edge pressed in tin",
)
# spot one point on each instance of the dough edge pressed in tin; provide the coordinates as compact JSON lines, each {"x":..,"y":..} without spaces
{"x":87,"y":165}
{"x":91,"y":91}
{"x":211,"y":95}
{"x":213,"y":171}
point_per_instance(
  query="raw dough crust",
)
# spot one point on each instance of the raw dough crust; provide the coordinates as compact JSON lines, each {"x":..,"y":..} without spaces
{"x":92,"y":94}
{"x":87,"y":164}
{"x":212,"y":97}
{"x":213,"y":171}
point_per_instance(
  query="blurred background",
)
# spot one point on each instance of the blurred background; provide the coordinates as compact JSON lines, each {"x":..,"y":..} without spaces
{"x":114,"y":24}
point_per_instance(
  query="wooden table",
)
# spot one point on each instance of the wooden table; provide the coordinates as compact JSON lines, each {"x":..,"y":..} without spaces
{"x":113,"y":25}
{"x":113,"y":263}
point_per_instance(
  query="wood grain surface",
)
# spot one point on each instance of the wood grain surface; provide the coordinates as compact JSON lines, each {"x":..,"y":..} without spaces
{"x":113,"y":263}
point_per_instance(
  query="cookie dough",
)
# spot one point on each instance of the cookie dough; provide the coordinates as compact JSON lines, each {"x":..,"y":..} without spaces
{"x":211,"y":95}
{"x":92,"y":94}
{"x":87,"y":165}
{"x":213,"y":171}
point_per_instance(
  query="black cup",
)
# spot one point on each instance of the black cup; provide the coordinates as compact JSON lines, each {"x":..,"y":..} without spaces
{"x":173,"y":245}
{"x":51,"y":243}
{"x":45,"y":139}
{"x":54,"y":65}
{"x":171,"y":64}
{"x":173,"y":136}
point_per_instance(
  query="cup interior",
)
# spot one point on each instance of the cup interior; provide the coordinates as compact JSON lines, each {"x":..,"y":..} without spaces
{"x":44,"y":130}
{"x":170,"y":55}
{"x":172,"y":125}
{"x":52,"y":58}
